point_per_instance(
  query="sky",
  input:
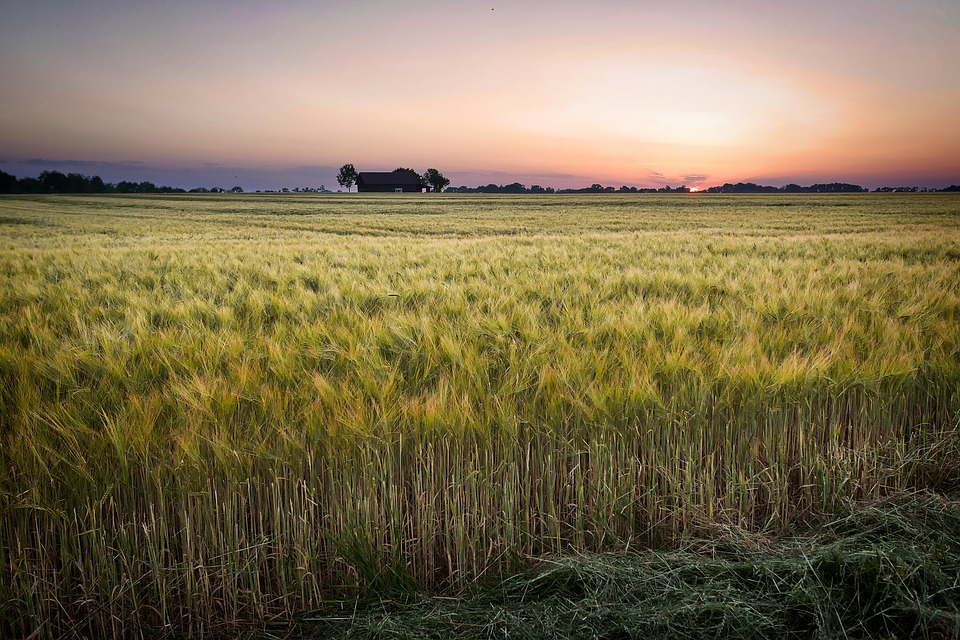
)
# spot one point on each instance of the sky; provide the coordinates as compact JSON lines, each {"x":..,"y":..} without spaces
{"x":562,"y":93}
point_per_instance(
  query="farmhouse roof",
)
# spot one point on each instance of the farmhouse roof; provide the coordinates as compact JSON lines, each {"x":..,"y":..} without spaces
{"x":372,"y":178}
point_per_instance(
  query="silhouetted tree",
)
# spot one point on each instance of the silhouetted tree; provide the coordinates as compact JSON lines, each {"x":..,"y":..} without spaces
{"x":836,"y":187}
{"x":435,"y":179}
{"x":423,"y":178}
{"x":30,"y":185}
{"x":347,"y":176}
{"x":8,"y":183}
{"x":749,"y":187}
{"x":53,"y":182}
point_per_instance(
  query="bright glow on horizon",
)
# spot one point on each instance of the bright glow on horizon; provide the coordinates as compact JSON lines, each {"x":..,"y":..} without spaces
{"x":617,"y":92}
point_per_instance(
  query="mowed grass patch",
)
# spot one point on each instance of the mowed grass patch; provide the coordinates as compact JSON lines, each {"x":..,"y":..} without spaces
{"x":882,"y":569}
{"x":227,"y":408}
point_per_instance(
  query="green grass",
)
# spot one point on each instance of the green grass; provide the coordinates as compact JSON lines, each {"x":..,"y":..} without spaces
{"x":229,"y":408}
{"x":885,"y":569}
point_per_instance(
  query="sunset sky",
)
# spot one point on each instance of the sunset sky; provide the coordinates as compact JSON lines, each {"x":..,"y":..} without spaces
{"x":562,"y":93}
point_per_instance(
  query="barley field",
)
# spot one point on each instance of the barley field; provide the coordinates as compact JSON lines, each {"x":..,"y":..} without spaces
{"x":224,"y":408}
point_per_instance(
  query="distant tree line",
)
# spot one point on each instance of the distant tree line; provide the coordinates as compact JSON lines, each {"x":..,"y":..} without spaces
{"x":833,"y":187}
{"x":57,"y":182}
{"x":953,"y":187}
{"x":516,"y":187}
{"x":740,"y":187}
{"x":749,"y":187}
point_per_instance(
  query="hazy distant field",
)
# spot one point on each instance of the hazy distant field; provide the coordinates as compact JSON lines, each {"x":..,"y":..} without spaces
{"x":229,"y":407}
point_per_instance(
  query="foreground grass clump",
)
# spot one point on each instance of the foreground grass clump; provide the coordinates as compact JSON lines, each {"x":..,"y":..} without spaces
{"x":885,"y":569}
{"x":219,"y":409}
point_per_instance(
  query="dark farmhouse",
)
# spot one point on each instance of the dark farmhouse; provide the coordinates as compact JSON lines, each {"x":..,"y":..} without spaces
{"x":389,"y":182}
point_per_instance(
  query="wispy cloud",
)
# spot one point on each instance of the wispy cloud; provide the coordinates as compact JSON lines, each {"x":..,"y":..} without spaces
{"x":573,"y":101}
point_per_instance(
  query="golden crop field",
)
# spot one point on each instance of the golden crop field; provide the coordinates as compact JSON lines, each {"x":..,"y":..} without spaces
{"x":229,"y":407}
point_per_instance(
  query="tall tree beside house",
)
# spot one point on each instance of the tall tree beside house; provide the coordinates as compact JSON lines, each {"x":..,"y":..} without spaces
{"x":347,"y":176}
{"x":435,"y":179}
{"x":423,"y":179}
